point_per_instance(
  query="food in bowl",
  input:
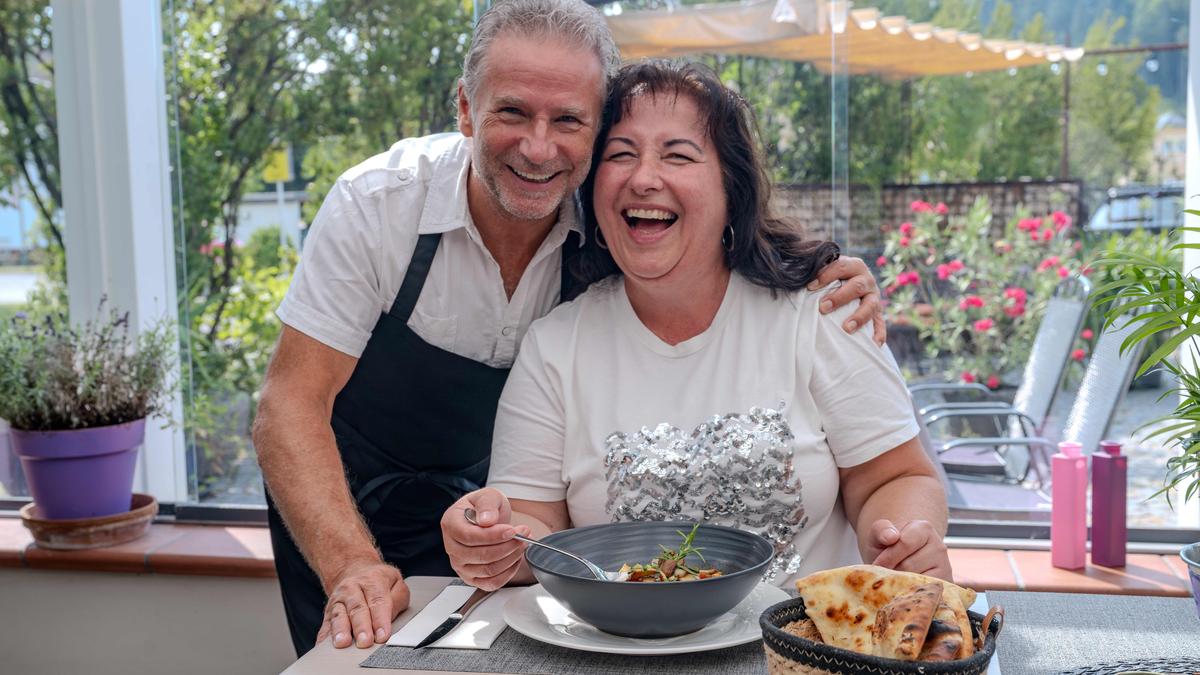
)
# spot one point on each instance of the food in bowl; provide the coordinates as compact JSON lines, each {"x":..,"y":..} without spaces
{"x":671,"y":564}
{"x":646,"y":610}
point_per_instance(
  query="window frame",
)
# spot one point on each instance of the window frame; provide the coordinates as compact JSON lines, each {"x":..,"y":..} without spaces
{"x":113,"y":154}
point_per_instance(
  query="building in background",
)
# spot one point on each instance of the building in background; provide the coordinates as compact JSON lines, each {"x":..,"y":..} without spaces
{"x":1168,"y":156}
{"x":17,"y":234}
{"x":263,"y":209}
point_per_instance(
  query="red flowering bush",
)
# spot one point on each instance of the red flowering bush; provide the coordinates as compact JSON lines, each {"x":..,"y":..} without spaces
{"x":975,"y":298}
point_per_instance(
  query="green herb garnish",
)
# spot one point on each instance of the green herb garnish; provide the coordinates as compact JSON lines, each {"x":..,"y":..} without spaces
{"x":685,"y":549}
{"x":670,"y":564}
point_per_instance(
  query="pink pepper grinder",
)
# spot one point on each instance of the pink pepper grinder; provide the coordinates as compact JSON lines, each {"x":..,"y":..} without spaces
{"x":1068,"y":508}
{"x":1109,"y":471}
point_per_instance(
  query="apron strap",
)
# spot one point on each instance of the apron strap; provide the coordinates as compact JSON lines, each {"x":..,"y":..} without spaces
{"x":422,"y":260}
{"x":569,"y":286}
{"x":414,"y":278}
{"x":374,"y":495}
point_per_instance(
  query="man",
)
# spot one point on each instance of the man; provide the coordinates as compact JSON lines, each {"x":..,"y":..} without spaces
{"x":424,"y":268}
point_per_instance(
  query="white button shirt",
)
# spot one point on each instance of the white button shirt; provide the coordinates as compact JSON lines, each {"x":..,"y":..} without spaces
{"x":363,"y":238}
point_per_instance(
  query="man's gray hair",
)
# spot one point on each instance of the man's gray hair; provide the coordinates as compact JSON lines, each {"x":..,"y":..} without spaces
{"x":571,"y":21}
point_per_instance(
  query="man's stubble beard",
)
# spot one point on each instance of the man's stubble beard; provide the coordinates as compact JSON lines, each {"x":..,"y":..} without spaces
{"x":491,"y":181}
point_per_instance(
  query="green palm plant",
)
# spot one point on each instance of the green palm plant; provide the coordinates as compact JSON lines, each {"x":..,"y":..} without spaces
{"x":1165,"y":301}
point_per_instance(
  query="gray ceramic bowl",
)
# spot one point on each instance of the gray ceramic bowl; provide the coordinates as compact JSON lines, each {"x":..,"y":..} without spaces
{"x":649,"y":610}
{"x":1191,"y":556}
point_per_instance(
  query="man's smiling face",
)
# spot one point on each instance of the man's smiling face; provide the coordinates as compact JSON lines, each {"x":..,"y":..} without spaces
{"x":534,"y":118}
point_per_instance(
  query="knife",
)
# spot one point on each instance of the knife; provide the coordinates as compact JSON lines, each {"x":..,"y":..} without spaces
{"x":455,"y":618}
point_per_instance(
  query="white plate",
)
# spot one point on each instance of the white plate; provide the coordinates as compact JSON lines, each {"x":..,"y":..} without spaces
{"x":534,"y":613}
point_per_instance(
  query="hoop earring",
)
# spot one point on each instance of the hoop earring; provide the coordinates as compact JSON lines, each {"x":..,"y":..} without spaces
{"x":730,"y":245}
{"x":600,"y":239}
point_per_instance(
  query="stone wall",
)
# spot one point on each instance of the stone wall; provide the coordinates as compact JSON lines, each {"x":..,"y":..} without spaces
{"x":875,"y":206}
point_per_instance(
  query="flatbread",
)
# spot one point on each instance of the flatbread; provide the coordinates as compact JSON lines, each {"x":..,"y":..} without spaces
{"x":843,"y":602}
{"x":902,"y":624}
{"x":964,"y":623}
{"x":945,"y":639}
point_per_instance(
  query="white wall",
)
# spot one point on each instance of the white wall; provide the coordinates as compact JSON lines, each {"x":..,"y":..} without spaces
{"x":125,"y":624}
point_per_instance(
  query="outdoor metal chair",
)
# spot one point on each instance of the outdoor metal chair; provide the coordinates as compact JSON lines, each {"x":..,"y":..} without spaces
{"x":977,"y":500}
{"x":1048,"y":358}
{"x":1103,"y":387}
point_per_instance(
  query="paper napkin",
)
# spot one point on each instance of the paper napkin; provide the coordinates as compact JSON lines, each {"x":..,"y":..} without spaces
{"x":478,"y":631}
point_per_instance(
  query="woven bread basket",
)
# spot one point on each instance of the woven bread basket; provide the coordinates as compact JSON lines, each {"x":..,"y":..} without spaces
{"x":789,"y":654}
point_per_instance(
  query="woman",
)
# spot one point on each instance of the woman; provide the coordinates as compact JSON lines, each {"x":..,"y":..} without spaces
{"x":698,"y":380}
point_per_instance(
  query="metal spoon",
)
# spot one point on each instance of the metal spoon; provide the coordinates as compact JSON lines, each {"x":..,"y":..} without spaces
{"x":595,"y":569}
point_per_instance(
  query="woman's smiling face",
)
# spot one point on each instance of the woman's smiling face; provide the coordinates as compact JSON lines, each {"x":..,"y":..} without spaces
{"x":659,"y":196}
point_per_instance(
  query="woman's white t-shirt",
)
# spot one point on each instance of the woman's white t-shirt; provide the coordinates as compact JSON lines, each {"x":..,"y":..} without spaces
{"x":745,"y":424}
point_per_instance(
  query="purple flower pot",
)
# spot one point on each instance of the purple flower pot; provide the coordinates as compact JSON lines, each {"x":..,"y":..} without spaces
{"x":1191,"y":556}
{"x":82,"y":473}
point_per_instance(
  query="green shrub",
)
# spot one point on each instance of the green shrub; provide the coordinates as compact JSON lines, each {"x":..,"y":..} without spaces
{"x":975,"y":298}
{"x":229,"y":350}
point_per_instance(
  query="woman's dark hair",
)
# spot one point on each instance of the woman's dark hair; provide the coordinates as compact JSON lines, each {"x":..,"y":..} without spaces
{"x":767,"y":250}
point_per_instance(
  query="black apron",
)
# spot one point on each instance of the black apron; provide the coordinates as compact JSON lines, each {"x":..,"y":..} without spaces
{"x":414,"y":430}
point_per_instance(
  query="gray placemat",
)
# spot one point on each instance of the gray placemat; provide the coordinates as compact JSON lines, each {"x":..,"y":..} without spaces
{"x":515,"y":653}
{"x":1175,"y":666}
{"x":1057,"y":632}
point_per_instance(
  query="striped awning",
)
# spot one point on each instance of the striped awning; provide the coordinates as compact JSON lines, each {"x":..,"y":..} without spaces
{"x":808,"y":30}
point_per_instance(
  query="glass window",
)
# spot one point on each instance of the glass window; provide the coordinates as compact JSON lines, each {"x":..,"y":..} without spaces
{"x":32,"y":266}
{"x":974,"y":189}
{"x":898,"y":157}
{"x":977,"y":193}
{"x":268,"y":108}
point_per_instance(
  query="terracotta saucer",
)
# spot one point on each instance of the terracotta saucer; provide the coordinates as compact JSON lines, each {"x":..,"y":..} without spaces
{"x":82,"y":533}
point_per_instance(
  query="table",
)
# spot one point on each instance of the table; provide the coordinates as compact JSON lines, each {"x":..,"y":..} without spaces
{"x":1056,"y":632}
{"x":1044,"y":632}
{"x":325,"y":660}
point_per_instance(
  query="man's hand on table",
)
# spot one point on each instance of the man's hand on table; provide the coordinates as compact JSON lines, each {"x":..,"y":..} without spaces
{"x":484,"y":556}
{"x":364,"y":600}
{"x":858,"y":283}
{"x":915,"y":546}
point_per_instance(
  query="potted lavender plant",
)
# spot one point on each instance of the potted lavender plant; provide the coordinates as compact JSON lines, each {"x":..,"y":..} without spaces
{"x":77,"y":398}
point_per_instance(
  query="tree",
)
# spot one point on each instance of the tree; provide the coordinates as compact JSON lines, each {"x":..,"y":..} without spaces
{"x":394,"y":67}
{"x":992,"y":125}
{"x":791,"y":104}
{"x":881,"y":125}
{"x":28,"y":121}
{"x":1164,"y":22}
{"x":341,"y":79}
{"x":949,"y":111}
{"x":238,"y":72}
{"x":1021,"y":133}
{"x":238,"y":66}
{"x":390,"y":74}
{"x":1113,"y":113}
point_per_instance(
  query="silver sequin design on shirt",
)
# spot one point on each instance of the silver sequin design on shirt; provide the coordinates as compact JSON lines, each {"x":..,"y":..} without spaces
{"x":732,"y":470}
